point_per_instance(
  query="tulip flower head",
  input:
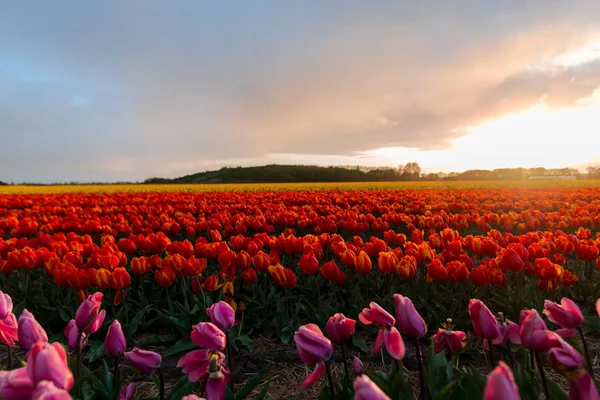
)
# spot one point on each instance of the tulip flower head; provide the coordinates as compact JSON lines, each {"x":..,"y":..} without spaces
{"x":313,"y":348}
{"x":9,"y":330}
{"x":535,"y":334}
{"x":501,"y":384}
{"x":388,"y":334}
{"x":566,"y":314}
{"x":449,"y":338}
{"x":366,"y":389}
{"x":6,"y":305}
{"x":30,"y":331}
{"x":209,"y":336}
{"x":16,"y":384}
{"x":222,"y":315}
{"x":145,"y":361}
{"x":409,"y":320}
{"x":582,"y":386}
{"x":357,"y":365}
{"x":74,"y":336}
{"x":48,"y":362}
{"x":485,"y":324}
{"x":128,"y":392}
{"x":89,"y":318}
{"x":339,"y":328}
{"x":115,"y":343}
{"x":564,"y":358}
{"x":46,"y":390}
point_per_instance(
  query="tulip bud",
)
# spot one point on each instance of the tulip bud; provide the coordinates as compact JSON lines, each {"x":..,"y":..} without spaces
{"x":339,"y":328}
{"x":115,"y":343}
{"x":409,"y":320}
{"x":48,"y":362}
{"x":209,"y":336}
{"x":222,"y":315}
{"x":87,"y":313}
{"x":30,"y":331}
{"x":501,"y":384}
{"x":127,"y":392}
{"x":357,"y":366}
{"x":6,"y":305}
{"x":484,"y":322}
{"x":73,"y":335}
{"x":145,"y":361}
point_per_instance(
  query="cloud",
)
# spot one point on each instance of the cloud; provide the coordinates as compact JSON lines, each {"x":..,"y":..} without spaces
{"x":121,"y":90}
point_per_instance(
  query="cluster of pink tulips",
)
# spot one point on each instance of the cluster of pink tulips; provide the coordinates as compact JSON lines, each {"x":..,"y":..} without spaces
{"x":531,"y":333}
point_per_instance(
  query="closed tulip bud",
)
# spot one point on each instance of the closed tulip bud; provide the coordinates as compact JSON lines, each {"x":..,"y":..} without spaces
{"x":30,"y":331}
{"x":145,"y":361}
{"x":73,"y":336}
{"x":535,"y":334}
{"x":249,"y":276}
{"x":362,"y":263}
{"x":127,"y":392}
{"x":46,"y":390}
{"x":357,"y":365}
{"x":6,"y":305}
{"x":564,"y":357}
{"x":16,"y":384}
{"x":115,"y":343}
{"x":582,"y":386}
{"x":501,"y":384}
{"x":208,"y":336}
{"x":312,"y":346}
{"x":409,"y":321}
{"x":485,"y":324}
{"x":366,"y":389}
{"x":566,"y":315}
{"x":48,"y":362}
{"x":339,"y":328}
{"x":222,"y":315}
{"x":88,"y":311}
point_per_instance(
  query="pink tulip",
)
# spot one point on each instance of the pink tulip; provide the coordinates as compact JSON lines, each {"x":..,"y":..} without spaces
{"x":48,"y":362}
{"x":376,"y":314}
{"x":46,"y":390}
{"x":6,"y":305}
{"x":582,"y":386}
{"x":215,"y":386}
{"x":366,"y":389}
{"x":598,"y":307}
{"x":535,"y":334}
{"x":357,"y":365}
{"x":222,"y":315}
{"x":145,"y":361}
{"x":454,"y":340}
{"x":566,"y":333}
{"x":485,"y":324}
{"x":566,"y":315}
{"x":564,"y":357}
{"x":115,"y":343}
{"x":127,"y":392}
{"x":88,"y":312}
{"x":209,"y":336}
{"x":409,"y":321}
{"x":9,"y":330}
{"x":192,"y":397}
{"x":313,"y":348}
{"x":96,"y":323}
{"x":195,"y":364}
{"x":16,"y":385}
{"x":73,"y":336}
{"x":509,"y":332}
{"x":501,"y":384}
{"x":30,"y":331}
{"x":339,"y":328}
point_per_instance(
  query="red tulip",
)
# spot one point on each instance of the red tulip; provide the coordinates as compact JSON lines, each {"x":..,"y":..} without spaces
{"x":339,"y":328}
{"x":313,"y":348}
{"x":409,"y":321}
{"x":485,"y":324}
{"x":145,"y":361}
{"x":362,"y":263}
{"x":222,"y":315}
{"x":46,"y":390}
{"x":501,"y":384}
{"x":115,"y":343}
{"x":48,"y":362}
{"x":16,"y":385}
{"x":30,"y":331}
{"x":209,"y":336}
{"x":6,"y":305}
{"x":366,"y":389}
{"x":309,"y":264}
{"x":567,"y":314}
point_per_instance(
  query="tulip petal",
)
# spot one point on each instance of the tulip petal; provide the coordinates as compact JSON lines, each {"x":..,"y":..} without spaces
{"x":313,"y":376}
{"x":378,"y":342}
{"x":394,"y":343}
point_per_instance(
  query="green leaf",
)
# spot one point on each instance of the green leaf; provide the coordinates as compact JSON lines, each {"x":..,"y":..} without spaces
{"x":360,"y":343}
{"x":182,"y":388}
{"x":96,"y":351}
{"x":107,"y":377}
{"x":182,"y":345}
{"x":157,"y":339}
{"x":244,"y":341}
{"x":263,"y":392}
{"x":251,"y":384}
{"x":556,"y":391}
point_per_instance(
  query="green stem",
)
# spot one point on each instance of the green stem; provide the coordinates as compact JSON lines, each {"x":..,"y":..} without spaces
{"x":230,"y":357}
{"x":540,"y":366}
{"x":588,"y":364}
{"x":423,"y":395}
{"x":492,"y":360}
{"x":185,"y":299}
{"x":10,"y":357}
{"x":161,"y":385}
{"x":330,"y":381}
{"x":345,"y":365}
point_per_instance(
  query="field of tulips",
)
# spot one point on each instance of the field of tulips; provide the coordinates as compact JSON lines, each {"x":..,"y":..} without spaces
{"x":87,"y":276}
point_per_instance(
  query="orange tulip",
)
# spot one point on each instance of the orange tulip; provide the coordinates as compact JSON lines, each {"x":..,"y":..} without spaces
{"x":363,"y":264}
{"x":140,"y":265}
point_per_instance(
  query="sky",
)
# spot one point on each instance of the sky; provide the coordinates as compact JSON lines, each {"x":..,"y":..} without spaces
{"x":126,"y":90}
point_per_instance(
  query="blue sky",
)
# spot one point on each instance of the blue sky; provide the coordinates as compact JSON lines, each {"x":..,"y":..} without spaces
{"x":112,"y":90}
